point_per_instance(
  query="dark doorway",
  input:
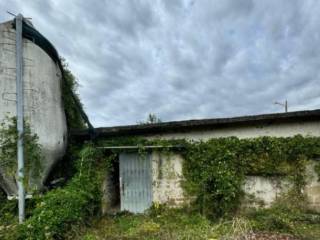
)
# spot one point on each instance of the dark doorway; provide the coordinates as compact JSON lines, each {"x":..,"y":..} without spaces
{"x":111,"y":189}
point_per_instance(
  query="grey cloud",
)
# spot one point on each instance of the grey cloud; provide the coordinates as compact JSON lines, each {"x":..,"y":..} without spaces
{"x":184,"y":59}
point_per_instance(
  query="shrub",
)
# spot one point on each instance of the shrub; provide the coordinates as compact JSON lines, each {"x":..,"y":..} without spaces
{"x":60,"y":208}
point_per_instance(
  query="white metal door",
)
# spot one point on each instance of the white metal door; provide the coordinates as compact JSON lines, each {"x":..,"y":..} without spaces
{"x":135,"y":182}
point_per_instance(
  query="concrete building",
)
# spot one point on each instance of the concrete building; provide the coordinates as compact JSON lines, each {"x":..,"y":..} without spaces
{"x":42,"y":95}
{"x":159,"y":178}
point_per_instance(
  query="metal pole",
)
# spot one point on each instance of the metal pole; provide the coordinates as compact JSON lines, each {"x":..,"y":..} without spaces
{"x":286,"y":106}
{"x":20,"y":115}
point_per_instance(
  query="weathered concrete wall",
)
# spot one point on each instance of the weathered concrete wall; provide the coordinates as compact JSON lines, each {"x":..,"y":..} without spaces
{"x":43,"y":103}
{"x":266,"y":189}
{"x":167,"y":169}
{"x":313,"y":188}
{"x":263,"y":190}
{"x":168,"y":176}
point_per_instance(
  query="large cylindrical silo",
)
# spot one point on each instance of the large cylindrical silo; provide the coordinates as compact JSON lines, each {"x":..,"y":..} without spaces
{"x":42,"y":98}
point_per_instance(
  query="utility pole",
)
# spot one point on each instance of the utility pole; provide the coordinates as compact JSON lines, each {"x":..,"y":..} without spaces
{"x":20,"y":117}
{"x":285,"y":105}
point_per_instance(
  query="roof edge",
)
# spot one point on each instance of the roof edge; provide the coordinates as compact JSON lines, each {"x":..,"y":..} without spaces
{"x":186,"y":125}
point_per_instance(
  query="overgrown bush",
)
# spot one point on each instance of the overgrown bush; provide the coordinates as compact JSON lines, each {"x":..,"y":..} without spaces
{"x":8,"y":210}
{"x":214,"y":173}
{"x":288,"y":214}
{"x":163,"y":224}
{"x":60,"y":208}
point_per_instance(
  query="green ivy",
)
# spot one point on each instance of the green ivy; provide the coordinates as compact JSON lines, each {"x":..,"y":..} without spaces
{"x":8,"y":151}
{"x":61,"y":208}
{"x":73,"y":116}
{"x":215,"y":170}
{"x":214,"y":175}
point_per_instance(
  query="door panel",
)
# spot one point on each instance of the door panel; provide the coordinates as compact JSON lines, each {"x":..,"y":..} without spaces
{"x":135,"y":182}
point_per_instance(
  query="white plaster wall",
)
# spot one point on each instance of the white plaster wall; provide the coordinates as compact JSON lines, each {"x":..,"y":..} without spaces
{"x":310,"y":128}
{"x":43,"y":102}
{"x":269,"y":189}
{"x":167,"y":178}
{"x":313,"y":187}
{"x":265,"y":189}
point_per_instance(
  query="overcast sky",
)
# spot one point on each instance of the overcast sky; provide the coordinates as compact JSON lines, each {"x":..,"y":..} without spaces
{"x":183,"y":59}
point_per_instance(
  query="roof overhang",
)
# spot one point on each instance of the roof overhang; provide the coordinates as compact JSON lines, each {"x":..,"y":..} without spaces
{"x":190,"y":125}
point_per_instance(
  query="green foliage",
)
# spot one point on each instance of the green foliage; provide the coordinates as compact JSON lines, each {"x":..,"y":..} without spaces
{"x":317,"y":169}
{"x":287,"y":215}
{"x":60,"y":208}
{"x":73,"y":116}
{"x":9,"y":218}
{"x":214,"y":173}
{"x":8,"y":151}
{"x":166,"y":224}
{"x":151,"y":119}
{"x":162,"y":223}
{"x":215,"y":170}
{"x":89,"y":237}
{"x":7,"y":210}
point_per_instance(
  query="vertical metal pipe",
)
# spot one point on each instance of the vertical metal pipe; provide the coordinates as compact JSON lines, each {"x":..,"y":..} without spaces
{"x":20,"y":115}
{"x":286,"y":106}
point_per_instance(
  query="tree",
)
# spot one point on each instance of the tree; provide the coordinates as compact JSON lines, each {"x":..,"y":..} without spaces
{"x":151,"y":119}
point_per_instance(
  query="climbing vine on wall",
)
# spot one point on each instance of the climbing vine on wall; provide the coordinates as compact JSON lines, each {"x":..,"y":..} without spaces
{"x":215,"y":170}
{"x":73,"y":116}
{"x":8,"y":150}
